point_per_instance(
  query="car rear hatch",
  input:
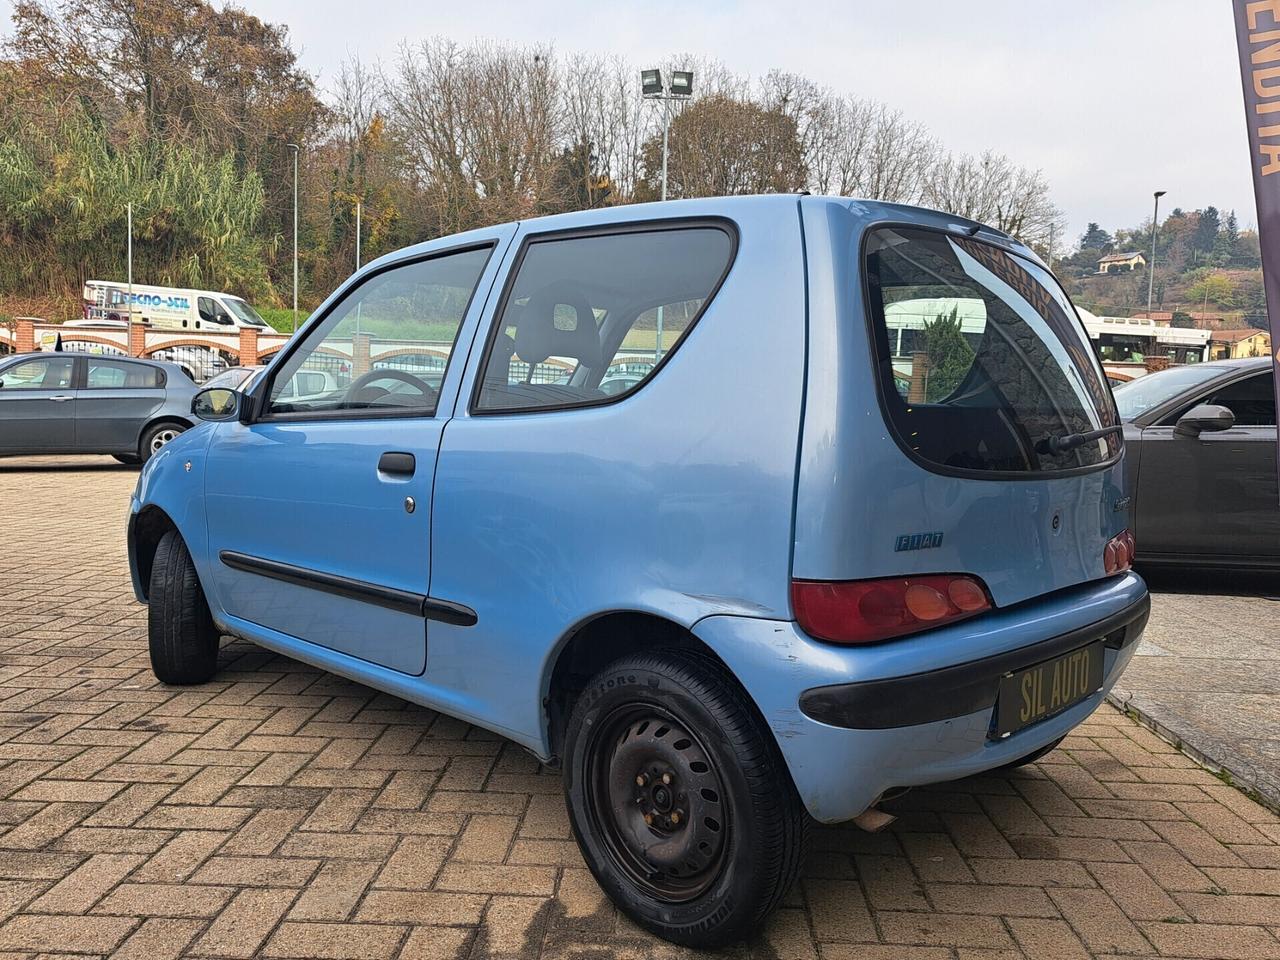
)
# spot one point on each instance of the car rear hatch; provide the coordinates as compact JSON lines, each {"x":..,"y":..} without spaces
{"x":956,"y":418}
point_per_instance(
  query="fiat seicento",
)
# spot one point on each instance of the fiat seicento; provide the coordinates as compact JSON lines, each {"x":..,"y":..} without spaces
{"x":846,"y":518}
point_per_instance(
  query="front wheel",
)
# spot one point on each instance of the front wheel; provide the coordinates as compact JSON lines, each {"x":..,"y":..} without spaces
{"x":680,"y":801}
{"x":182,"y":638}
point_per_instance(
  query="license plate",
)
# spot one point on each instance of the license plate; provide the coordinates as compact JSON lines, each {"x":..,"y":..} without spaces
{"x":1031,"y":695}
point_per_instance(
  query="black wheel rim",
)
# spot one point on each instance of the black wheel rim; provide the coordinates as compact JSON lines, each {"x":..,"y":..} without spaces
{"x":656,"y":800}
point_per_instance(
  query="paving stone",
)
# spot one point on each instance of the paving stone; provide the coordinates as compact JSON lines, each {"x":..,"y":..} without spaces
{"x":282,"y":812}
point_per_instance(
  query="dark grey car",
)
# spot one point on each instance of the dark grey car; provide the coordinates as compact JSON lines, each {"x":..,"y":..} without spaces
{"x":1201,"y":464}
{"x":91,"y":403}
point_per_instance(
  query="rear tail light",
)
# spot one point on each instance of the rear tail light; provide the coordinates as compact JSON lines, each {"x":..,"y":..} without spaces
{"x":864,"y":611}
{"x":1118,"y":554}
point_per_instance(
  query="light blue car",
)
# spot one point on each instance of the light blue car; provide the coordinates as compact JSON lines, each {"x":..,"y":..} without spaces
{"x":821,"y":551}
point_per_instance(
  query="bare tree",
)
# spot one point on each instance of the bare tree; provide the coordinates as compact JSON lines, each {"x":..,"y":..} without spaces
{"x":992,"y":189}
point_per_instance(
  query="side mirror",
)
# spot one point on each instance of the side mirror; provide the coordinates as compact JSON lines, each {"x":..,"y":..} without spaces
{"x":1205,"y":417}
{"x":217,"y":404}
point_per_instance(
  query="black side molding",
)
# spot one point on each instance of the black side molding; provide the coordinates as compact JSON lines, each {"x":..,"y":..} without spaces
{"x":391,"y":598}
{"x":958,"y":690}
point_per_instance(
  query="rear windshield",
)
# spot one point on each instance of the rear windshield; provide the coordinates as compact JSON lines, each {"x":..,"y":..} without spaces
{"x":982,"y":359}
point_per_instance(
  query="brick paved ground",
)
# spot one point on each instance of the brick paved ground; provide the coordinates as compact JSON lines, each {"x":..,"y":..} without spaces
{"x":282,"y":812}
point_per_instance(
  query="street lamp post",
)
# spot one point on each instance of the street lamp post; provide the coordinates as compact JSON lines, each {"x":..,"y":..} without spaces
{"x":296,"y":150}
{"x":652,"y":88}
{"x":129,"y":257}
{"x":1151,"y":267}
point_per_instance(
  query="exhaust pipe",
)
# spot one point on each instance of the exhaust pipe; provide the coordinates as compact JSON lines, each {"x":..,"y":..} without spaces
{"x":873,"y":820}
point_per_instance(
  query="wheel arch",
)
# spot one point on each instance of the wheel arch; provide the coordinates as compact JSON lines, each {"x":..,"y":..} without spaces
{"x":596,"y":642}
{"x":146,"y":529}
{"x":183,"y":422}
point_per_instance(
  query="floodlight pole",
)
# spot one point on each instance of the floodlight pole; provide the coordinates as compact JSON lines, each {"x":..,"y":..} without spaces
{"x":296,"y":150}
{"x":666,"y":95}
{"x":128,"y":212}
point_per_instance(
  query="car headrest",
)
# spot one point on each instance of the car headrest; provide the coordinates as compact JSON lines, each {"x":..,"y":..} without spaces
{"x":542,"y":331}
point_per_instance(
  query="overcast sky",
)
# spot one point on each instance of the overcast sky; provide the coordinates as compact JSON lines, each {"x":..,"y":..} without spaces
{"x":1112,"y":100}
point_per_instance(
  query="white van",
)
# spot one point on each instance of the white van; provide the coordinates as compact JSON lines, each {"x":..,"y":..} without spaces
{"x":168,"y":308}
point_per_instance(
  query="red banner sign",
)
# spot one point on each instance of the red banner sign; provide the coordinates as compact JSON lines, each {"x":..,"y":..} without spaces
{"x":1258,"y":38}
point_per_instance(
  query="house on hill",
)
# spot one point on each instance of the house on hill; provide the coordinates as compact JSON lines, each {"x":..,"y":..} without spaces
{"x":1249,"y":342}
{"x":1118,"y":262}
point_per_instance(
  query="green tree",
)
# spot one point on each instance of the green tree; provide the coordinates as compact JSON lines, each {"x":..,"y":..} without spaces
{"x":1206,"y":232}
{"x":950,"y":356}
{"x":1216,"y":288}
{"x":1095,"y":238}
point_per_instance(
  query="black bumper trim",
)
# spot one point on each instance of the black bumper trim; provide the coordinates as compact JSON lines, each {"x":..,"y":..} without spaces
{"x":959,"y":690}
{"x":392,"y":598}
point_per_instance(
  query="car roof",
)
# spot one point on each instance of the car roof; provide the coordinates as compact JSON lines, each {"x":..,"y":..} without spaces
{"x":1234,"y":364}
{"x":39,"y":354}
{"x":761,"y":208}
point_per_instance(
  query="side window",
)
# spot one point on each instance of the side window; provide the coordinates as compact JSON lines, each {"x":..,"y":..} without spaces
{"x":589,"y":318}
{"x":416,"y":308}
{"x":1253,"y":401}
{"x":50,"y":374}
{"x":205,"y":307}
{"x":107,"y":374}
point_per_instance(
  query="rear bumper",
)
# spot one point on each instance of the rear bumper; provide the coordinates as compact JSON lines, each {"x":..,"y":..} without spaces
{"x":917,"y":710}
{"x":960,"y":689}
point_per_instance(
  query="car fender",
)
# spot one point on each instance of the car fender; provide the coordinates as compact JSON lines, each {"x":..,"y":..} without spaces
{"x":173,"y":481}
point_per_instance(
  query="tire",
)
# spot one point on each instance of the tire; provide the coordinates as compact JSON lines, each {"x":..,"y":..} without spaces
{"x":729,"y":827}
{"x":155,"y":437}
{"x":182,"y":638}
{"x":1033,"y":756}
{"x":128,"y":459}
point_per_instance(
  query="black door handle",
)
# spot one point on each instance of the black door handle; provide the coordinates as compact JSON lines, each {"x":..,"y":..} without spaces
{"x":398,"y":464}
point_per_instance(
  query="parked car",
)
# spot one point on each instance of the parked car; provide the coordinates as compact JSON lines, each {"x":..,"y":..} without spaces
{"x":89,"y":403}
{"x":1201,"y":466}
{"x":780,"y":576}
{"x":234,"y":378}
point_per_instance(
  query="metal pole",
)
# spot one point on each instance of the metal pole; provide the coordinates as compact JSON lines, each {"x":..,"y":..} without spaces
{"x":1151,"y":267}
{"x":359,"y":304}
{"x":1052,"y":230}
{"x":666,"y":125}
{"x":129,"y":257}
{"x":296,"y":150}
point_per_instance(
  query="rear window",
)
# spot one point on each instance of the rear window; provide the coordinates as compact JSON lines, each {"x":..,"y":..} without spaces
{"x":982,"y":360}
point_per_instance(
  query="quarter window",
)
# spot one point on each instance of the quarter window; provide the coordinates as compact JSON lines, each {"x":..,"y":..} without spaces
{"x":588,"y":319}
{"x":984,"y":366}
{"x":50,"y":374}
{"x":112,"y":374}
{"x":366,"y":356}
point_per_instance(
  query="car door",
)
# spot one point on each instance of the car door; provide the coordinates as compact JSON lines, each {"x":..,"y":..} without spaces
{"x":319,"y":511}
{"x":38,"y":405}
{"x":1213,"y":496}
{"x":116,"y":399}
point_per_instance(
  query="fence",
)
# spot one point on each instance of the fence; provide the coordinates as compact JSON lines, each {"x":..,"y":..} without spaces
{"x":203,"y":355}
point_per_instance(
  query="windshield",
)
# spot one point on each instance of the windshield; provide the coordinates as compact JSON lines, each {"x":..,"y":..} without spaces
{"x":983,"y":361}
{"x":232,"y":379}
{"x":1146,"y":393}
{"x":245,"y":312}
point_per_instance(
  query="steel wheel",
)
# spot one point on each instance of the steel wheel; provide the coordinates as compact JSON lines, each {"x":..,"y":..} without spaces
{"x":656,"y":798}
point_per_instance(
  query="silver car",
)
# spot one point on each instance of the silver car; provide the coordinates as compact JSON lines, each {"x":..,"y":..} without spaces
{"x":91,"y":403}
{"x":1200,"y":464}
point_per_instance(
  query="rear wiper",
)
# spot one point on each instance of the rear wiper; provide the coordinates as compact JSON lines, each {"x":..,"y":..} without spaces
{"x":1053,"y":445}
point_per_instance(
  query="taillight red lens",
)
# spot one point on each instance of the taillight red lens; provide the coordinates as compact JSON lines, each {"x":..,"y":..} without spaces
{"x":1118,"y":554}
{"x":864,"y":611}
